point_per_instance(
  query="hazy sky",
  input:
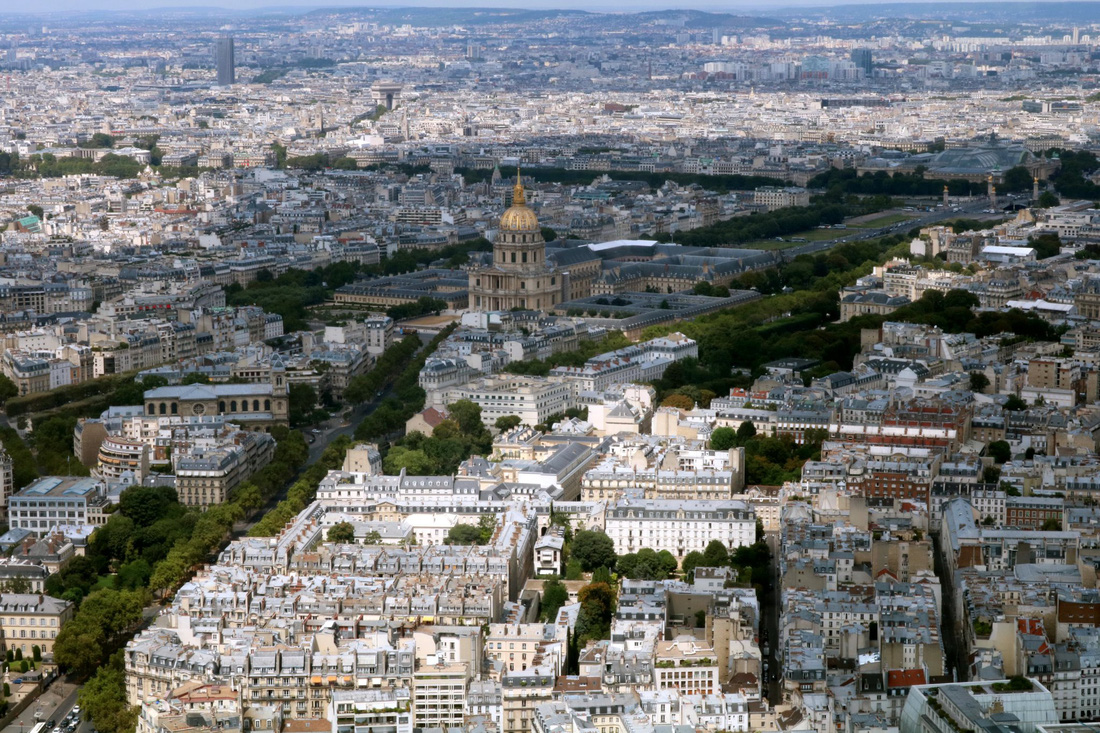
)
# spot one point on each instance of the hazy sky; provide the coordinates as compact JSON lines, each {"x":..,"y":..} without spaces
{"x":46,"y":6}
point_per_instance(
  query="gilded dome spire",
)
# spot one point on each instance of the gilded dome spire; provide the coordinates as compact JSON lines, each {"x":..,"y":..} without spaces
{"x":518,"y":196}
{"x":519,"y":217}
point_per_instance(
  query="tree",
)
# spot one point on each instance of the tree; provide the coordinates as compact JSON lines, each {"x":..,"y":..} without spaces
{"x":597,"y":606}
{"x":548,"y":234}
{"x":303,"y":401}
{"x":414,"y":462}
{"x":574,"y":571}
{"x":691,"y":561}
{"x":1014,"y":403}
{"x":723,"y":438}
{"x":7,"y":389}
{"x":133,"y":575}
{"x":372,"y":538}
{"x":646,"y":565}
{"x":1000,"y":451}
{"x":1046,"y":245}
{"x":1051,"y":525}
{"x":679,"y":401}
{"x":506,"y":423}
{"x":746,"y":431}
{"x":79,"y":646}
{"x":715,"y":554}
{"x":37,"y":652}
{"x":146,"y":504}
{"x":464,"y":534}
{"x":468,"y":416}
{"x":991,"y":475}
{"x":554,"y":596}
{"x":593,"y":549}
{"x":103,"y":699}
{"x":978,"y":382}
{"x":99,"y":140}
{"x":342,"y":533}
{"x":195,"y":378}
{"x":1047,"y":199}
{"x":1016,"y":179}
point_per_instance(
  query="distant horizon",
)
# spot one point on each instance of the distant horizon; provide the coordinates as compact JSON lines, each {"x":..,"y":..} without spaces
{"x":47,"y":7}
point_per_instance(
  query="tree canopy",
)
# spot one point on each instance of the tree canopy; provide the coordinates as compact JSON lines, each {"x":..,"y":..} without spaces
{"x":593,"y":549}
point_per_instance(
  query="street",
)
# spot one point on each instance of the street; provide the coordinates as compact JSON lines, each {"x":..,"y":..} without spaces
{"x":969,"y":209}
{"x":327,"y":431}
{"x":53,"y":704}
{"x":769,"y":631}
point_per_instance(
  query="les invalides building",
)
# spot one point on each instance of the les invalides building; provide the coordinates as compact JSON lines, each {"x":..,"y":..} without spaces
{"x":520,"y":276}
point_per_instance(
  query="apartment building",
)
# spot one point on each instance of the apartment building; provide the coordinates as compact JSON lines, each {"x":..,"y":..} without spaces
{"x":439,"y":694}
{"x":29,"y":620}
{"x":679,"y":527}
{"x":687,"y":666}
{"x":371,"y":711}
{"x":522,"y":691}
{"x":208,"y":474}
{"x":531,"y":399}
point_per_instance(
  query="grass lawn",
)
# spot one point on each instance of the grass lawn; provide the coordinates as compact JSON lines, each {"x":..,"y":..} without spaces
{"x":882,"y":221}
{"x":812,"y":235}
{"x":105,"y":581}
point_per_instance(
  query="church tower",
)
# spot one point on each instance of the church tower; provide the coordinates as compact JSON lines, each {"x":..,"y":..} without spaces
{"x":519,"y":245}
{"x":519,"y":276}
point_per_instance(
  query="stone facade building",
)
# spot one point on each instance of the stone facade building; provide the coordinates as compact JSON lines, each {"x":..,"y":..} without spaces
{"x":519,"y":276}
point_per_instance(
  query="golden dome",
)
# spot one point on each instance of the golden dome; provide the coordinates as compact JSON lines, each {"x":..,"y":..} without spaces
{"x":518,"y":217}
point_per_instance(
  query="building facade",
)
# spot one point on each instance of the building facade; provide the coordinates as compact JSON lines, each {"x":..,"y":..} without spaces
{"x":520,"y":276}
{"x":28,"y":620}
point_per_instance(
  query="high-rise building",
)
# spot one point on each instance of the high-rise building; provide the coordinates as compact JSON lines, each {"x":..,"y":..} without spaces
{"x":861,"y":57}
{"x":223,"y":54}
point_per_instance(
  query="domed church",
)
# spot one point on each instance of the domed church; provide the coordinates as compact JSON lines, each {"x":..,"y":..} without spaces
{"x":519,"y":276}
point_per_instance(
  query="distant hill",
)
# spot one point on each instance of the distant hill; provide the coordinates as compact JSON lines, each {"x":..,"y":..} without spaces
{"x":699,"y":19}
{"x":427,"y":16}
{"x":436,"y":16}
{"x":1013,"y":12}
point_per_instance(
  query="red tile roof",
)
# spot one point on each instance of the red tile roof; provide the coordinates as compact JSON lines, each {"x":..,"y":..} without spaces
{"x":905,"y":677}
